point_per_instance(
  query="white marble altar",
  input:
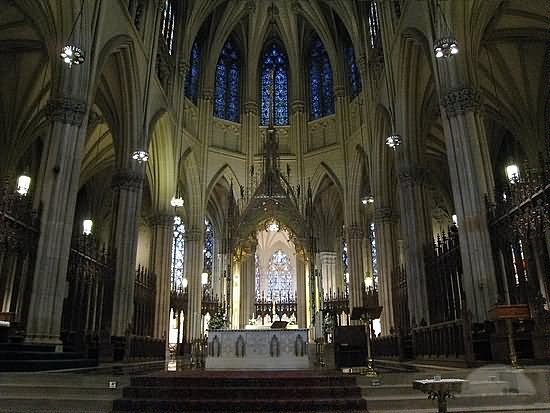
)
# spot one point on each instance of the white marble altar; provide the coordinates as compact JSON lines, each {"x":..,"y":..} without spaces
{"x":258,"y":349}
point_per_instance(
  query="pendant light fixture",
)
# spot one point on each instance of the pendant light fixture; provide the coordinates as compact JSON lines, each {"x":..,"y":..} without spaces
{"x":446,"y":46}
{"x":71,"y":54}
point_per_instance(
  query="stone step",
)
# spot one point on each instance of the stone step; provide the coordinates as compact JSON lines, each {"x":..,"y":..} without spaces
{"x":45,"y":403}
{"x":39,"y":355}
{"x":59,"y":391}
{"x":264,"y":405}
{"x":530,"y":408}
{"x":241,"y":393}
{"x":42,"y":365}
{"x":256,"y":381}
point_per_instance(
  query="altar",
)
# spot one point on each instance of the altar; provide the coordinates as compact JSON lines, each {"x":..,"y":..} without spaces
{"x":258,"y":349}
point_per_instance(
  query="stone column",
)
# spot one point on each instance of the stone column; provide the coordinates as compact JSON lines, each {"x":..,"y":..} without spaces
{"x":127,"y":185}
{"x":247,"y":287}
{"x":194,"y":245}
{"x":356,"y":272}
{"x":328,"y":272}
{"x":386,"y":244}
{"x":161,"y":261}
{"x":301,"y":315}
{"x":471,"y":181}
{"x":298,"y":134}
{"x":417,"y":229}
{"x":60,"y":172}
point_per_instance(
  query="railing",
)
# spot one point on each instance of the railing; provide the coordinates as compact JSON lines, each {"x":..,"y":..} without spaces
{"x":443,"y":267}
{"x":139,"y":347}
{"x":210,"y":303}
{"x":19,"y":231}
{"x":448,"y":340}
{"x":144,"y":302}
{"x":400,"y":300}
{"x":89,"y":277}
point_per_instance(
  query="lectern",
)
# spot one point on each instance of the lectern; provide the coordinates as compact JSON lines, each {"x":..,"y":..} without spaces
{"x":367,"y":313}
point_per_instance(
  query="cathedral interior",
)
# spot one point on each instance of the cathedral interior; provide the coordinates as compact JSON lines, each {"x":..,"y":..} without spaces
{"x":374,"y":174}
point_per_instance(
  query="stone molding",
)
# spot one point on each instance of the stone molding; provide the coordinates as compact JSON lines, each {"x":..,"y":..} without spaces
{"x":66,"y":110}
{"x":339,"y":91}
{"x":127,"y":179}
{"x":207,"y":94}
{"x":461,"y":100}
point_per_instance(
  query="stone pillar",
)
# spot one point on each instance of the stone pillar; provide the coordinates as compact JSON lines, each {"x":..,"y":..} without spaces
{"x":328,"y":272}
{"x":299,"y":135}
{"x":471,"y":181}
{"x":194,"y":245}
{"x":126,"y":184}
{"x":161,"y":261}
{"x":386,"y":245}
{"x":247,"y":286}
{"x":301,"y":300}
{"x":60,"y":170}
{"x":356,"y":272}
{"x":416,"y":227}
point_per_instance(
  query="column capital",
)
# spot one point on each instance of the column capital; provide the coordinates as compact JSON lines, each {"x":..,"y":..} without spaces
{"x":415,"y":174}
{"x":193,"y":234}
{"x":297,"y":105}
{"x":461,"y":100}
{"x":161,"y":220}
{"x":66,"y":110}
{"x":183,"y":67}
{"x":207,"y":94}
{"x":339,"y":91}
{"x":384,"y":215}
{"x":355,"y":232}
{"x":127,"y":179}
{"x":251,"y":107}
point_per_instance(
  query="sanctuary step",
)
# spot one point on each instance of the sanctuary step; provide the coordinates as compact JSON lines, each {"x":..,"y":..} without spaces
{"x":29,"y":357}
{"x":240,"y":392}
{"x":58,"y":392}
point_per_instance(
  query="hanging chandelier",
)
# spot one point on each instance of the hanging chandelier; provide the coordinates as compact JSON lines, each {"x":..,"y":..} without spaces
{"x":394,"y":140}
{"x":70,"y":53}
{"x":272,"y":225}
{"x":445,"y":47}
{"x":140,"y":156}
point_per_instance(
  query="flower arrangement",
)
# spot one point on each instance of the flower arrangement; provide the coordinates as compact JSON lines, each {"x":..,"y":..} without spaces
{"x":217,"y":321}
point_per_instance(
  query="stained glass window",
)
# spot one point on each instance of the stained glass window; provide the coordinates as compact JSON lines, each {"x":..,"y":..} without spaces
{"x":374,"y":24}
{"x":321,"y":96}
{"x":178,"y":255}
{"x":279,"y":277}
{"x":374,"y":254}
{"x":227,"y":86}
{"x":208,"y":250}
{"x":192,"y":77}
{"x":274,"y":73}
{"x":354,"y":77}
{"x":345,"y":264}
{"x":168,"y":25}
